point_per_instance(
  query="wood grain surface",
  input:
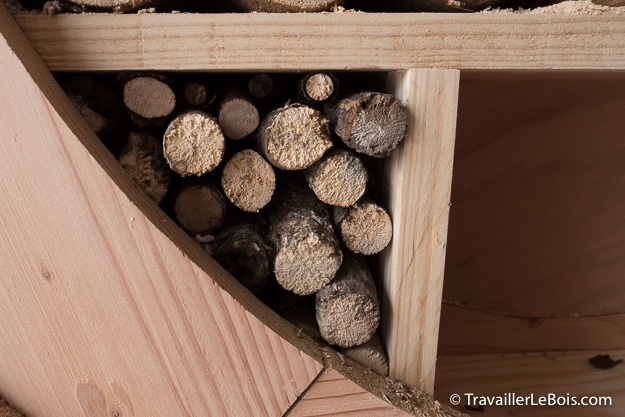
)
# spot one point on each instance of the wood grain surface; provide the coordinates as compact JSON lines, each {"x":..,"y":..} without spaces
{"x":334,"y":395}
{"x":465,"y":332}
{"x":327,"y":41}
{"x":107,"y":306}
{"x":536,"y":224}
{"x":418,"y":180}
{"x":560,"y":373}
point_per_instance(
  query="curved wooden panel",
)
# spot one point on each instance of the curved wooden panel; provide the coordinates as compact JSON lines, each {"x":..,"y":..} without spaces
{"x":101,"y":311}
{"x":536,"y":226}
{"x":467,"y":332}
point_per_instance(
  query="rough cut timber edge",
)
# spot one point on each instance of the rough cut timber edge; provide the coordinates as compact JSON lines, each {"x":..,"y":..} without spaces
{"x":327,"y":41}
{"x":108,"y":308}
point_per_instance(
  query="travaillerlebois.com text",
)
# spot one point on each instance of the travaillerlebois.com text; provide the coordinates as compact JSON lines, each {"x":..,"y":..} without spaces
{"x":511,"y":399}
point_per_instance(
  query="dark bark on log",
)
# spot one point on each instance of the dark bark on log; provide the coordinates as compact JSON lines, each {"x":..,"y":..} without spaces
{"x":286,"y":6}
{"x":306,"y":249}
{"x":99,"y":106}
{"x":242,"y":251}
{"x":348,"y":310}
{"x":260,"y":86}
{"x":197,"y":95}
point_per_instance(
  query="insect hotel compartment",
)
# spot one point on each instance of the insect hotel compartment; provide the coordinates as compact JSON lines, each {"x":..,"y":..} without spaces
{"x":111,"y":309}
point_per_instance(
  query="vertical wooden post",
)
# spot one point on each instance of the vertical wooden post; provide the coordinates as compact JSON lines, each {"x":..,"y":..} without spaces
{"x":418,"y":176}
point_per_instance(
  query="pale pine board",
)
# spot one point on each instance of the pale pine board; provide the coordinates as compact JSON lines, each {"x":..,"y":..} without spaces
{"x":334,"y":395}
{"x":560,"y":373}
{"x":536,"y":225}
{"x":418,"y":183}
{"x":327,"y":41}
{"x":464,"y":331}
{"x":101,"y":311}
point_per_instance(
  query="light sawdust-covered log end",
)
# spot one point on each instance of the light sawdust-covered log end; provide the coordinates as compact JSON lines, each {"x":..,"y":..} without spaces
{"x":317,"y":88}
{"x":242,"y":251}
{"x":307,"y":250}
{"x":366,"y":228}
{"x":143,"y":160}
{"x":339,"y":178}
{"x":369,"y":354}
{"x":294,"y":137}
{"x":248,"y":181}
{"x":286,"y":6}
{"x":370,"y":123}
{"x":238,"y":116}
{"x":193,"y":143}
{"x":149,"y":98}
{"x":306,"y":265}
{"x":200,"y":209}
{"x":347,"y":309}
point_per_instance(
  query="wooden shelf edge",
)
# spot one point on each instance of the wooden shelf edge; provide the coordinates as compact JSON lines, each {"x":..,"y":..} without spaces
{"x":263,"y":41}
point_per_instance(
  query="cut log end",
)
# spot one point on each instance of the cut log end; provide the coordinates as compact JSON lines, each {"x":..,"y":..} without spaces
{"x":193,"y":144}
{"x":260,"y":86}
{"x":338,"y":179}
{"x":294,"y":137}
{"x":195,"y":95}
{"x":307,"y":265}
{"x":366,"y":228}
{"x":307,"y":250}
{"x":248,"y":181}
{"x":241,"y":250}
{"x":200,"y":209}
{"x":348,"y":310}
{"x":370,"y":123}
{"x":143,"y":159}
{"x":97,"y":123}
{"x":149,"y":97}
{"x":369,"y":354}
{"x":238,"y":118}
{"x":319,"y":87}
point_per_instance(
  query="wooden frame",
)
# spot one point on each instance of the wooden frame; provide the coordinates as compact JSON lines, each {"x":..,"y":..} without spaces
{"x":440,"y":45}
{"x":328,"y":41}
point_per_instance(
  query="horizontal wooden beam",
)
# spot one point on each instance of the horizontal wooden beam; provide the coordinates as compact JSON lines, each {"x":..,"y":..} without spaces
{"x":327,"y":40}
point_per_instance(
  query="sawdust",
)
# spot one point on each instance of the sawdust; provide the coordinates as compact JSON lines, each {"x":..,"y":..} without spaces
{"x":7,"y":411}
{"x":581,"y":7}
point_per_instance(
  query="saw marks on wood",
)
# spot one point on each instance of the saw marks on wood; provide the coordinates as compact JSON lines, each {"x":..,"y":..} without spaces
{"x":388,"y":41}
{"x":102,"y":312}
